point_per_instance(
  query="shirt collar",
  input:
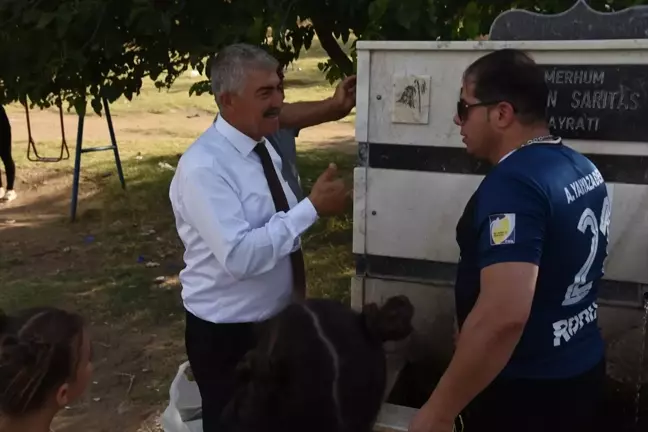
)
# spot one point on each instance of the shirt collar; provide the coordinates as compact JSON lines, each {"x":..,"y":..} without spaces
{"x":507,"y":155}
{"x":547,"y":140}
{"x":241,"y":142}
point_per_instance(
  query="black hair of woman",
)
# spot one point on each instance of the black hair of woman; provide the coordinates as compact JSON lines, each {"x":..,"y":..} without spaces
{"x":45,"y":365}
{"x":320,"y":367}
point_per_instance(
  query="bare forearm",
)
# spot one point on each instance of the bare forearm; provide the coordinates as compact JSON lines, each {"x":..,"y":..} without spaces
{"x":299,"y":115}
{"x":485,"y":346}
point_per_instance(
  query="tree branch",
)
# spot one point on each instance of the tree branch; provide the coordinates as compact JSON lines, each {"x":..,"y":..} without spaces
{"x":324,"y":31}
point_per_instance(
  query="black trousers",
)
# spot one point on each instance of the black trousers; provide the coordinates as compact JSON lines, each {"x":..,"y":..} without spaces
{"x":539,"y":405}
{"x":214,"y":350}
{"x":5,"y":149}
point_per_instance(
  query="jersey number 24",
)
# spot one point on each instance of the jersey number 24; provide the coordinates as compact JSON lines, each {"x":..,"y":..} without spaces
{"x":579,"y":289}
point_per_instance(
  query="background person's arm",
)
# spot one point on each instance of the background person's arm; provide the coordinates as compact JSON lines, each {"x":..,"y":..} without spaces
{"x":300,"y":115}
{"x":493,"y":328}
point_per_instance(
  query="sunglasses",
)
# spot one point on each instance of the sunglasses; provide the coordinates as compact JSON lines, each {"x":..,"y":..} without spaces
{"x":463,"y":107}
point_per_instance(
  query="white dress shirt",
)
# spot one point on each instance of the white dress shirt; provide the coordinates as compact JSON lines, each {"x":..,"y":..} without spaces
{"x":237,"y":245}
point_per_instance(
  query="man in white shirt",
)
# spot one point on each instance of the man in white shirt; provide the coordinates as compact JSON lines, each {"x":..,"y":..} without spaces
{"x":240,"y":223}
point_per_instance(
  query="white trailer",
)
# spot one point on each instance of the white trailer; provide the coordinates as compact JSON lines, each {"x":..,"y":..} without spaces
{"x":414,"y":178}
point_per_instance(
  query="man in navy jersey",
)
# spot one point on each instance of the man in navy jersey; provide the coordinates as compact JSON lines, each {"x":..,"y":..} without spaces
{"x":533,"y":241}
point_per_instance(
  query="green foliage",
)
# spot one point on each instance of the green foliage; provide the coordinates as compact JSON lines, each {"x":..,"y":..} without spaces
{"x":55,"y":51}
{"x":75,"y":51}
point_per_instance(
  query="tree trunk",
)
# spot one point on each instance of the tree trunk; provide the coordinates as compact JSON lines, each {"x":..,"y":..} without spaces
{"x":324,"y":32}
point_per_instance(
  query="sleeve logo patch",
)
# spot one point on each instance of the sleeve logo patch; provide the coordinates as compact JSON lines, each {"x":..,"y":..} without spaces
{"x":502,"y":229}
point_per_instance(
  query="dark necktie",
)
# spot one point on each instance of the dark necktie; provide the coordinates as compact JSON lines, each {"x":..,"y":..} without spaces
{"x":287,"y":161}
{"x":281,"y":204}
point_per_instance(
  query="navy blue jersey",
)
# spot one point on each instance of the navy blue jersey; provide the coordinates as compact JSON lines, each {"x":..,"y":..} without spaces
{"x":545,"y":204}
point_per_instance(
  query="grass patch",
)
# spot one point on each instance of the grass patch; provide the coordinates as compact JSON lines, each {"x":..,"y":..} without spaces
{"x":119,"y":263}
{"x":132,"y":228}
{"x":107,"y":276}
{"x":327,"y":245}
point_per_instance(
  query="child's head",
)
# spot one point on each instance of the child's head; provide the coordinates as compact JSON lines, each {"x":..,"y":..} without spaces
{"x":44,"y":361}
{"x":319,"y":366}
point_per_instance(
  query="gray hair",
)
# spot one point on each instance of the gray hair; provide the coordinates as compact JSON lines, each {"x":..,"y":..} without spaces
{"x":230,"y":65}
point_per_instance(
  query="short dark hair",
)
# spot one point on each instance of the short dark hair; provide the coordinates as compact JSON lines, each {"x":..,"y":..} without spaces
{"x":39,"y":351}
{"x":513,"y":76}
{"x":319,"y":367}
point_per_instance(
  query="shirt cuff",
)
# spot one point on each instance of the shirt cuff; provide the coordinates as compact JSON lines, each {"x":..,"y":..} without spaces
{"x":303,"y":216}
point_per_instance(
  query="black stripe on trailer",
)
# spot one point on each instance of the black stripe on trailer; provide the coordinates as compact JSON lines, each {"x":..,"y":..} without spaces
{"x":455,"y":160}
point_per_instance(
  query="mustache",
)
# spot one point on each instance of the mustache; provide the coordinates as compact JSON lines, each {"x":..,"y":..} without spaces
{"x":272,"y":112}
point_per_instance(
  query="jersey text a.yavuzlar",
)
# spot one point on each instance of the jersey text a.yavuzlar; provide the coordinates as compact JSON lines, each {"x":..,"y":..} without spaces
{"x":545,"y":204}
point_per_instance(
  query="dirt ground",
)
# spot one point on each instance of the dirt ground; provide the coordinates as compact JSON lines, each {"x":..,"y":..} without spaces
{"x":148,"y":127}
{"x":124,"y":357}
{"x":45,"y":190}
